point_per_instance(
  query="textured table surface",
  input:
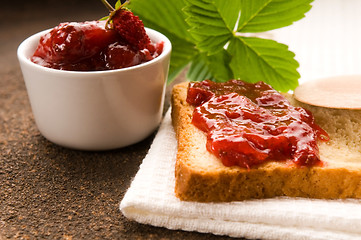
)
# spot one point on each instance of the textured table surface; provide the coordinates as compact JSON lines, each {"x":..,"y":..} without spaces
{"x":46,"y":191}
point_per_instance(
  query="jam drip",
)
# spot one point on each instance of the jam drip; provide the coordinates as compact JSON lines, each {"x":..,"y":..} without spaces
{"x":248,"y":124}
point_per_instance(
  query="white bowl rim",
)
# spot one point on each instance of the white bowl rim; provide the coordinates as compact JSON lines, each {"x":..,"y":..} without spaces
{"x":35,"y":37}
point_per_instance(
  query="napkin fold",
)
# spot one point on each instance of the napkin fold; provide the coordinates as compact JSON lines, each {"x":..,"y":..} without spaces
{"x":151,"y":200}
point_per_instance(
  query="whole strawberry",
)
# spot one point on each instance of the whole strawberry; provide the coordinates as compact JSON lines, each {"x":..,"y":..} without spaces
{"x":129,"y":26}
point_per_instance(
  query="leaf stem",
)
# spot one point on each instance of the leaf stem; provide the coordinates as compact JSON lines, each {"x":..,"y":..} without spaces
{"x":110,"y":8}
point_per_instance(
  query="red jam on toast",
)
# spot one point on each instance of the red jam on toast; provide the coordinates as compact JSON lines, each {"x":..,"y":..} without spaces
{"x":248,"y":124}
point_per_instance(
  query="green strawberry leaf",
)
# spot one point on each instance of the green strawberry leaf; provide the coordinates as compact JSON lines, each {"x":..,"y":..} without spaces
{"x":265,"y":15}
{"x":206,"y":33}
{"x":209,"y":25}
{"x":218,"y":65}
{"x":182,"y":51}
{"x":182,"y":54}
{"x":167,"y":17}
{"x":118,"y":4}
{"x":229,"y":12}
{"x":256,"y":59}
{"x":214,"y":67}
{"x":104,"y":18}
{"x":163,"y":14}
{"x":199,"y":69}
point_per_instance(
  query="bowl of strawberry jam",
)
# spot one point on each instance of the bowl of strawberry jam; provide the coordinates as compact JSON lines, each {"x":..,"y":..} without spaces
{"x":90,"y":89}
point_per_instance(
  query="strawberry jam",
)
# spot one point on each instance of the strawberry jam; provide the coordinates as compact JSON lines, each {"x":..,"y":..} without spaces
{"x":248,"y":124}
{"x":89,"y":46}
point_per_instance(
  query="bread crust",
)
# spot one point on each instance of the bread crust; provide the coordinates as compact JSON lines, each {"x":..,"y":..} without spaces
{"x":200,"y":176}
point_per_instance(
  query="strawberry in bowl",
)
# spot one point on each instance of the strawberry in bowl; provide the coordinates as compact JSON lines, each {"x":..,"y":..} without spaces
{"x":119,"y":42}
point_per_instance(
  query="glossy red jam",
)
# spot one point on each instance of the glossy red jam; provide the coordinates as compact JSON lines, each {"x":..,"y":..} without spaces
{"x":248,"y":124}
{"x":88,"y":46}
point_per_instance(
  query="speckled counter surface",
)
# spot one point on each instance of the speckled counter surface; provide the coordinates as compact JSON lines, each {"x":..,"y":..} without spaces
{"x":49,"y":192}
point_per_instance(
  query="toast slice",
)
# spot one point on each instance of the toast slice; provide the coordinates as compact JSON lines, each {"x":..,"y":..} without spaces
{"x":201,"y":176}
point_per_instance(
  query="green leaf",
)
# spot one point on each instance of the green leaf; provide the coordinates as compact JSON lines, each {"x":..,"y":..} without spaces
{"x":210,"y":26}
{"x":229,"y":12}
{"x":167,"y":17}
{"x":104,"y":18}
{"x":218,"y":65}
{"x":256,"y":59}
{"x":203,"y":33}
{"x":118,"y":4}
{"x":163,"y":14}
{"x":199,"y":70}
{"x":182,"y":52}
{"x":265,"y":15}
{"x":214,"y":67}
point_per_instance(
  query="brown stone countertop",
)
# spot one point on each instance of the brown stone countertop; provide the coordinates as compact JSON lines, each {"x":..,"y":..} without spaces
{"x":50,"y":192}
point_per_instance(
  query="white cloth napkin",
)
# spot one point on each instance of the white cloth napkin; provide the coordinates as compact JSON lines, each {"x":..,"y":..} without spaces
{"x":151,"y":200}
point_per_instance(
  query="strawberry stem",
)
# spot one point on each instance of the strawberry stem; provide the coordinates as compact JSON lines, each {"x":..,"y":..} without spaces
{"x":110,"y":8}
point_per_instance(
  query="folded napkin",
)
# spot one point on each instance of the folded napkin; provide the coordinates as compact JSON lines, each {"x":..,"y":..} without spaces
{"x":151,"y":200}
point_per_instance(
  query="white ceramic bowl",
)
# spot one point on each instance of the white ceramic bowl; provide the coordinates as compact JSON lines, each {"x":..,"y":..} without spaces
{"x":98,"y":110}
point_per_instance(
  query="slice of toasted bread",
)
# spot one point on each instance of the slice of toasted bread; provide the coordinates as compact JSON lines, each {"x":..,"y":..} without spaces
{"x":201,"y":176}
